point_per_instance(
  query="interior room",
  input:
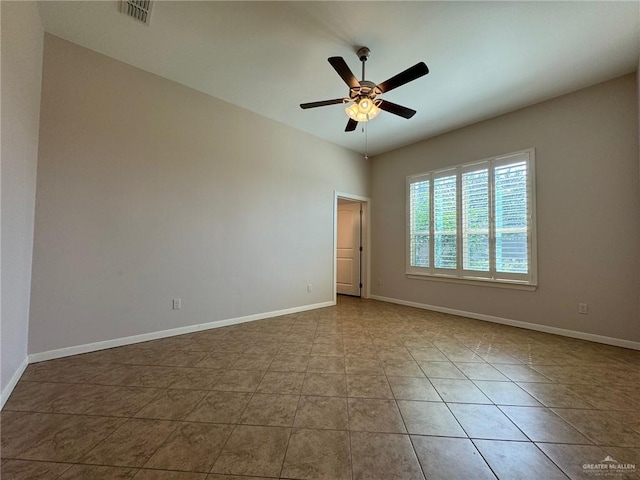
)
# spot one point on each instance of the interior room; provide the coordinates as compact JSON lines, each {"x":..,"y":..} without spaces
{"x":216,"y":267}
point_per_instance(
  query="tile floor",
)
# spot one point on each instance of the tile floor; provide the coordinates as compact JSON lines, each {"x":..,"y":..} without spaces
{"x":363,"y":390}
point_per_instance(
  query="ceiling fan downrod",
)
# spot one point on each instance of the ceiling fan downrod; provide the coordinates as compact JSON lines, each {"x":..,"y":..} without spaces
{"x":363,"y":54}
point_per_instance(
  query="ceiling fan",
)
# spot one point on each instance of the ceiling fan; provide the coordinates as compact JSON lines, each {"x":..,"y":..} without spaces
{"x":363,"y":93}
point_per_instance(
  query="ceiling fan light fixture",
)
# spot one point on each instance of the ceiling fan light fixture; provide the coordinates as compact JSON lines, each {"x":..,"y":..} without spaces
{"x":362,"y":110}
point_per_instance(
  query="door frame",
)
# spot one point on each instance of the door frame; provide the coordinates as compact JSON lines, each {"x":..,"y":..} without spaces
{"x":366,"y":241}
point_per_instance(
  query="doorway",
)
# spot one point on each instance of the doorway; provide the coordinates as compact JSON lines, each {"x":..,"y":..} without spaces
{"x":351,"y":255}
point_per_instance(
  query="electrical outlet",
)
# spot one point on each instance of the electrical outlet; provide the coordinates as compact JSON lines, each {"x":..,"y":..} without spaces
{"x":583,"y":308}
{"x":309,"y":287}
{"x":177,"y":303}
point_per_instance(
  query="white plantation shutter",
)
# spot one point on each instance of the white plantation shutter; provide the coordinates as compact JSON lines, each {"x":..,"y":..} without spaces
{"x":419,"y":223}
{"x":511,"y":217}
{"x":474,"y":221}
{"x":445,"y":233}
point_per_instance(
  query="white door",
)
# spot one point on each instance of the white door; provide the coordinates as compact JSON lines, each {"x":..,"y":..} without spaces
{"x":348,"y":249}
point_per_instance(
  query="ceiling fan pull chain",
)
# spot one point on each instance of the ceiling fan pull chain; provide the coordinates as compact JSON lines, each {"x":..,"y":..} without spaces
{"x":366,"y":138}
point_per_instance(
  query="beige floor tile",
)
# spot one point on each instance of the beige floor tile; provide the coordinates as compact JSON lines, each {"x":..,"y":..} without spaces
{"x":240,"y":381}
{"x":434,"y":369}
{"x":167,"y":475}
{"x":323,"y":364}
{"x":461,"y":391}
{"x":485,"y":422}
{"x":70,"y":438}
{"x":318,"y":455}
{"x":363,"y":366}
{"x":20,"y":430}
{"x":521,"y":373}
{"x":218,"y":361}
{"x":374,"y":415}
{"x":600,"y":427}
{"x":263,"y":348}
{"x":497,"y":358}
{"x":220,"y":407}
{"x":360,"y":351}
{"x":124,"y":402}
{"x":630,"y":419}
{"x":322,"y":412}
{"x":330,"y":338}
{"x":191,"y":447}
{"x":542,"y":425}
{"x":368,"y":386}
{"x":575,"y":460}
{"x":506,"y":393}
{"x":252,"y":361}
{"x":281,"y":382}
{"x":132,"y":444}
{"x":399,"y":353}
{"x":463,"y":356}
{"x":57,"y":397}
{"x":445,"y":458}
{"x":95,"y":472}
{"x":218,"y":476}
{"x":329,"y":384}
{"x":554,"y":395}
{"x":172,"y":404}
{"x":198,"y":379}
{"x":289,"y":363}
{"x":151,"y":376}
{"x":295,"y":348}
{"x":28,"y":470}
{"x":609,"y":397}
{"x":178,"y":359}
{"x":429,"y":418}
{"x":384,"y":457}
{"x":413,"y":388}
{"x":64,"y":371}
{"x":401,"y":368}
{"x":271,"y":410}
{"x":207,"y":379}
{"x":625,"y":455}
{"x":518,"y":460}
{"x":327,"y":349}
{"x":253,"y":450}
{"x":480,"y":371}
{"x":429,"y":354}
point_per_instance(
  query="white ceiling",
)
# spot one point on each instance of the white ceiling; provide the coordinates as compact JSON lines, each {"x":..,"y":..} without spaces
{"x":486,"y":58}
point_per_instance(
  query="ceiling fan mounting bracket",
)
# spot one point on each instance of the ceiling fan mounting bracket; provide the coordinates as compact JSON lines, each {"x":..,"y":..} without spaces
{"x":363,"y":53}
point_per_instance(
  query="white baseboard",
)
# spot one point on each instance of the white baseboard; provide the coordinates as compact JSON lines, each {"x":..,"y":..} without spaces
{"x":6,"y":393}
{"x":145,"y":337}
{"x":618,"y":342}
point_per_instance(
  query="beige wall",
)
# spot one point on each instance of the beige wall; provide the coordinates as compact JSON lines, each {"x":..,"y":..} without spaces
{"x":148,"y":191}
{"x":21,"y":81}
{"x":588,"y":205}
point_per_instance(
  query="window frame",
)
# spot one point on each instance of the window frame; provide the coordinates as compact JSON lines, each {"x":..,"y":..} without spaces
{"x":459,"y":274}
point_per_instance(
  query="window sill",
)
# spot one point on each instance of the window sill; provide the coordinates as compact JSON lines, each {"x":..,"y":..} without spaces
{"x":480,"y":282}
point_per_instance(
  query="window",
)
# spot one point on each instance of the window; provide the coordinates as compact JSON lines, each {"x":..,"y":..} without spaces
{"x":474,"y":221}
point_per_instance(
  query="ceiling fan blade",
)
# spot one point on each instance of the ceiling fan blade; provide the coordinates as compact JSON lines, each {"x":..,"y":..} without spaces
{"x":410,"y":74}
{"x":396,"y":109}
{"x":344,"y":71}
{"x":323,"y":103}
{"x":351,"y":125}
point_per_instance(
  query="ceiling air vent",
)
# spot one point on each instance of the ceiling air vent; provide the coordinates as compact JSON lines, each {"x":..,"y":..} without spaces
{"x":137,"y":9}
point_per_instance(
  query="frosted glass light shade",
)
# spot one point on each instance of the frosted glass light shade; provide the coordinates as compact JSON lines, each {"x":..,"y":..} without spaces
{"x":363,"y":110}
